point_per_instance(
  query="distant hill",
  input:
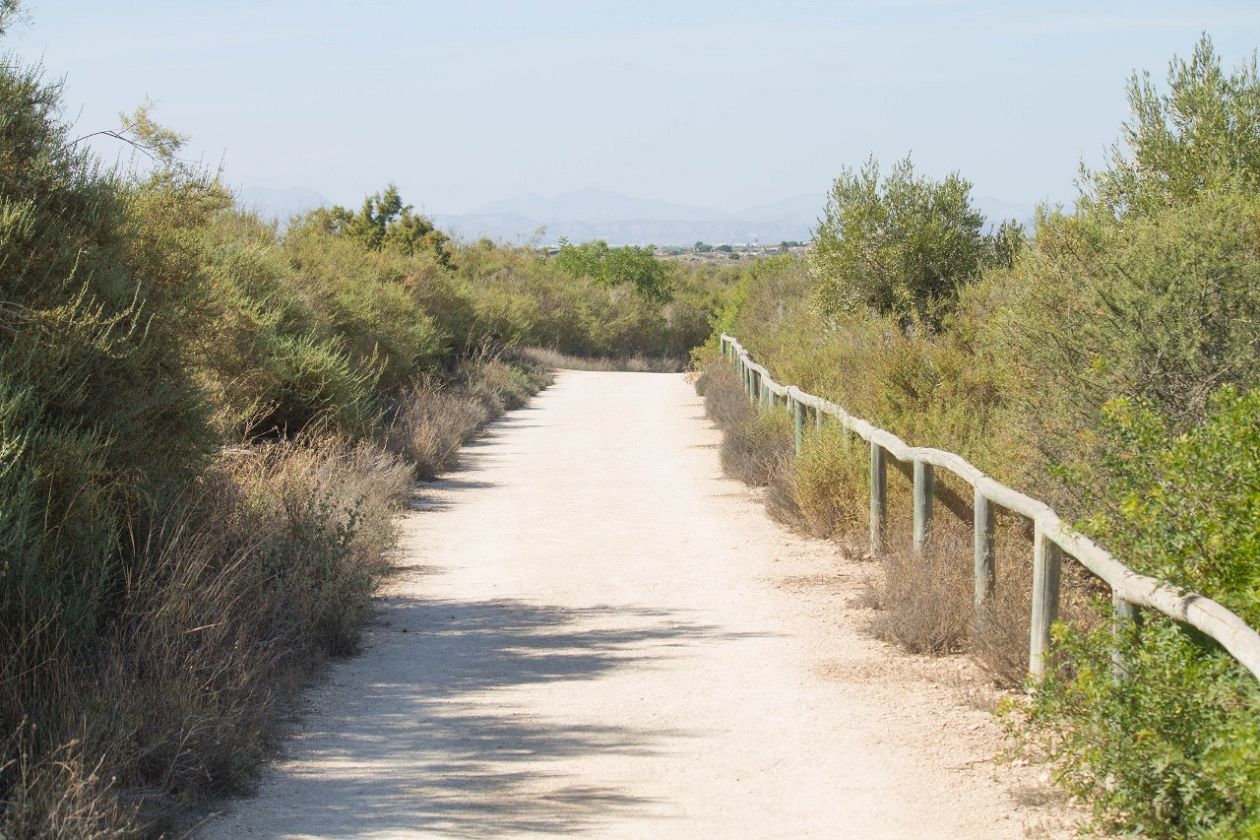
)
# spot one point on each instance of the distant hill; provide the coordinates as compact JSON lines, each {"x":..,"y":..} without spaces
{"x":619,"y":219}
{"x":597,"y":207}
{"x":625,"y":220}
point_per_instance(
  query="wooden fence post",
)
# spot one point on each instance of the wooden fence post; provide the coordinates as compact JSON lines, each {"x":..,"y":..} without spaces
{"x":924,"y":492}
{"x":1124,"y":621}
{"x":1047,"y":563}
{"x":983,"y":564}
{"x":798,"y":422}
{"x":879,"y":496}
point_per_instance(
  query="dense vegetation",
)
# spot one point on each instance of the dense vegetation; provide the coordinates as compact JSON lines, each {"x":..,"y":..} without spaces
{"x":207,"y":424}
{"x":1107,"y":361}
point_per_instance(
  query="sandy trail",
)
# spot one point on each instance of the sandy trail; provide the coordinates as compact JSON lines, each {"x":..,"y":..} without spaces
{"x":594,"y":633}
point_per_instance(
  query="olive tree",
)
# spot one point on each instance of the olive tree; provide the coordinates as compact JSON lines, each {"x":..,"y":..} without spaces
{"x":899,"y":243}
{"x":1201,"y":134}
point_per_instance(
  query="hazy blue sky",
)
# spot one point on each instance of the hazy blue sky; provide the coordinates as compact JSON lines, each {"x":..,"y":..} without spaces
{"x":724,"y":104}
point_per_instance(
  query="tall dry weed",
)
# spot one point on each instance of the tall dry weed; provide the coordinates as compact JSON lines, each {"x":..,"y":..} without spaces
{"x":433,"y":420}
{"x":259,"y":572}
{"x":431,"y":424}
{"x":633,"y":363}
{"x":926,"y":597}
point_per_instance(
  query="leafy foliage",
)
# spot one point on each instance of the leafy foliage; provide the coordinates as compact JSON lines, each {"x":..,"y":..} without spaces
{"x":629,"y":265}
{"x":900,"y":244}
{"x":1174,"y":745}
{"x":1202,"y":134}
{"x":1162,"y":309}
{"x":384,"y":221}
{"x":89,"y":378}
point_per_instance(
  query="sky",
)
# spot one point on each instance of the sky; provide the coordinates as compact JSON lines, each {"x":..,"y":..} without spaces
{"x":720,"y":104}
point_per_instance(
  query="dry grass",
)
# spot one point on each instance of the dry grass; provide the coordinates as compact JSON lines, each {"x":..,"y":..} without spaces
{"x":830,"y":483}
{"x":926,"y":598}
{"x":58,"y":795}
{"x":502,"y":386}
{"x":725,"y":400}
{"x":757,"y":444}
{"x":999,"y":638}
{"x":431,"y":421}
{"x":430,"y":425}
{"x":556,"y":360}
{"x":267,"y":566}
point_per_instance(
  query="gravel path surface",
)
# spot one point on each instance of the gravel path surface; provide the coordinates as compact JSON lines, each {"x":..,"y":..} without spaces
{"x":594,"y":633}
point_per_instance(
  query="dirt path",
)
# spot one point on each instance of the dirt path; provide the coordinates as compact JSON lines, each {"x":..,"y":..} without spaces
{"x":594,"y":633}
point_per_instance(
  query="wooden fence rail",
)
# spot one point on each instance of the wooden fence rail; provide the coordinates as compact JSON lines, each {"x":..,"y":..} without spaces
{"x":1053,"y":539}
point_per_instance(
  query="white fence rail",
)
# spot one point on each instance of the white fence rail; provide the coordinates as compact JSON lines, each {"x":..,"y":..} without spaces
{"x":1052,"y":537}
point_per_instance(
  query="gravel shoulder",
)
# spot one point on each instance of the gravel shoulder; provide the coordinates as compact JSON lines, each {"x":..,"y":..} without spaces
{"x":592,"y":632}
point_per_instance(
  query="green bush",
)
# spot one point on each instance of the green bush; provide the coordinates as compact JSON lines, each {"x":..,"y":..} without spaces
{"x":1172,"y":748}
{"x":90,"y":376}
{"x":1203,"y":134}
{"x":900,"y":244}
{"x":629,"y":265}
{"x":1161,"y":309}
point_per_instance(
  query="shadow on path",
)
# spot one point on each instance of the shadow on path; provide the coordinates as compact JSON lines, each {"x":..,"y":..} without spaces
{"x":436,"y":728}
{"x":424,"y":745}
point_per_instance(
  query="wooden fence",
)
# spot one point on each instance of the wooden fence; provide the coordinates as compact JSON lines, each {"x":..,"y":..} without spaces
{"x":1052,"y":540}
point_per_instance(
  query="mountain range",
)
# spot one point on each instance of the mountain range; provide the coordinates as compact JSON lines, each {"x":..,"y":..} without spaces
{"x":603,"y":214}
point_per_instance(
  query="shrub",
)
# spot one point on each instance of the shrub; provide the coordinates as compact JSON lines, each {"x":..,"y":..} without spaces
{"x":501,"y":386}
{"x":725,"y":397}
{"x":384,"y":222}
{"x":926,"y":599}
{"x":431,"y":423}
{"x":629,"y":265}
{"x":263,"y":567}
{"x":1171,"y":748}
{"x":90,"y":376}
{"x":314,"y":382}
{"x":759,"y":449}
{"x":832,"y":482}
{"x":900,"y":244}
{"x":1157,"y":309}
{"x":1199,"y":136}
{"x":554,"y":359}
{"x":757,"y":443}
